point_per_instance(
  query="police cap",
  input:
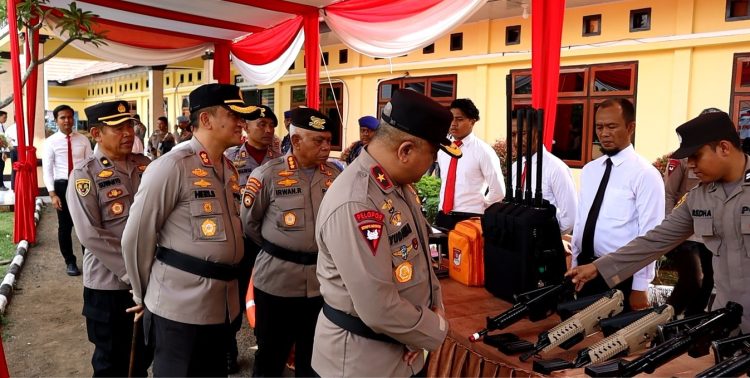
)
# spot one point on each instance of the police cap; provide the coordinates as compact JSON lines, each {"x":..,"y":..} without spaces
{"x":227,"y":95}
{"x":109,"y":113}
{"x":266,"y":112}
{"x":311,"y":119}
{"x":369,"y":122}
{"x":422,"y":117}
{"x":702,"y":130}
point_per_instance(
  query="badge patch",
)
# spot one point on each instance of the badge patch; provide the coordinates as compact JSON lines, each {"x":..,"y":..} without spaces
{"x":239,"y":163}
{"x":207,"y":207}
{"x":202,"y":183}
{"x":324,"y":170}
{"x":248,"y":199}
{"x":243,"y":154}
{"x":380,"y":177}
{"x":402,"y":252}
{"x":83,"y":187}
{"x":286,"y":173}
{"x":204,"y":158}
{"x":142,"y":167}
{"x":105,"y":162}
{"x":369,"y":215}
{"x":117,"y":208}
{"x":329,"y":182}
{"x":208,"y":227}
{"x":456,"y":256}
{"x":291,"y":162}
{"x":290,"y":219}
{"x":114,"y":193}
{"x":396,"y":219}
{"x":121,"y":108}
{"x":106,"y":173}
{"x":371,"y":232}
{"x":254,"y":181}
{"x":388,"y":206}
{"x":287,"y":182}
{"x":404,"y":271}
{"x":199,"y":172}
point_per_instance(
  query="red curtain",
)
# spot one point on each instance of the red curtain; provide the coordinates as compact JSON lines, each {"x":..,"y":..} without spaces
{"x":221,"y":63}
{"x":312,"y":59}
{"x":268,"y":45}
{"x":32,"y":49}
{"x":546,"y":32}
{"x":380,"y":10}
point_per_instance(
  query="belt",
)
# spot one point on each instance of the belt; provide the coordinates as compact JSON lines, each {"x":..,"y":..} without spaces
{"x":460,"y":214}
{"x":194,"y":265}
{"x":355,"y":325}
{"x":302,"y":258}
{"x":62,"y":181}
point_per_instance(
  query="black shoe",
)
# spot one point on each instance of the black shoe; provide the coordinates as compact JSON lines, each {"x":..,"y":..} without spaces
{"x":73,"y":270}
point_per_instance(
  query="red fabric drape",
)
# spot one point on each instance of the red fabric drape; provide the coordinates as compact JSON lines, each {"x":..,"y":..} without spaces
{"x":312,"y":59}
{"x":32,"y":50}
{"x":266,"y":46}
{"x":380,"y":10}
{"x":546,"y":32}
{"x":221,"y":62}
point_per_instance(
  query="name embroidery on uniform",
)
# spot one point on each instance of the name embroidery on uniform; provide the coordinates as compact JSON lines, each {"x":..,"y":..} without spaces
{"x":105,"y":173}
{"x":207,"y":193}
{"x":114,"y":193}
{"x":202,"y":183}
{"x":400,"y":234}
{"x":701,"y":213}
{"x":745,"y":210}
{"x":83,"y":187}
{"x":288,"y":192}
{"x":199,"y":172}
{"x":287,"y":182}
{"x":110,"y":182}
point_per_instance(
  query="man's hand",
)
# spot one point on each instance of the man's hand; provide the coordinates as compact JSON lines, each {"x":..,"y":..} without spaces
{"x":410,"y":357}
{"x":56,"y":202}
{"x":638,"y":300}
{"x":582,"y":274}
{"x":138,"y":310}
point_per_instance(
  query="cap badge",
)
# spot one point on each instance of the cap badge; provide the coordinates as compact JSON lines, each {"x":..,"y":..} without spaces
{"x":404,"y":272}
{"x":121,"y":108}
{"x":262,"y":112}
{"x":106,"y":173}
{"x":83,"y":187}
{"x":317,"y":123}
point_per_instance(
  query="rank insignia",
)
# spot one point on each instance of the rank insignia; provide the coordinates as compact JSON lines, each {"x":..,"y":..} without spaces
{"x":317,"y":123}
{"x":117,"y":208}
{"x":254,"y":181}
{"x":105,"y":162}
{"x":414,"y":192}
{"x":388,"y":206}
{"x":285,"y":173}
{"x":208,"y":207}
{"x":371,"y":232}
{"x":248,"y":199}
{"x":369,"y":215}
{"x":396,"y":219}
{"x":291,"y":162}
{"x":199,"y":172}
{"x":287,"y":182}
{"x":202,"y":183}
{"x":324,"y":170}
{"x":204,"y":158}
{"x":106,"y":173}
{"x":383,"y":181}
{"x":142,"y":167}
{"x":404,"y":271}
{"x":208,"y":227}
{"x":329,"y":182}
{"x":83,"y":187}
{"x":243,"y":154}
{"x":114,"y":193}
{"x":290,"y":218}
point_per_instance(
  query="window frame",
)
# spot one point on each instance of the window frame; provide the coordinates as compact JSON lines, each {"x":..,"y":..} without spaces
{"x":585,"y":22}
{"x":324,"y":106}
{"x":633,"y":12}
{"x":728,"y":14}
{"x":609,"y":67}
{"x":508,"y":30}
{"x":428,"y":80}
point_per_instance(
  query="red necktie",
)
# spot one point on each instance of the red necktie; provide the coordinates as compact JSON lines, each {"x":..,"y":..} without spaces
{"x":523,"y":176}
{"x":70,"y":156}
{"x":450,"y":186}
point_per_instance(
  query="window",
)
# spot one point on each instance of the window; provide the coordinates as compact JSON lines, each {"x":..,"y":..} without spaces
{"x":592,"y":25}
{"x":513,"y":35}
{"x":739,"y":108}
{"x":292,"y":66}
{"x":640,"y":19}
{"x":331,"y":104}
{"x":429,"y":49}
{"x":440,"y":88}
{"x":580,"y":90}
{"x":343,"y":56}
{"x":259,"y":97}
{"x":136,"y":85}
{"x":324,"y":59}
{"x":182,"y":78}
{"x":190,"y":77}
{"x":167,"y":79}
{"x":200,"y":76}
{"x":738,"y":10}
{"x":457,"y":41}
{"x":133,"y":107}
{"x":146,"y":83}
{"x":186,"y":105}
{"x":130,"y":86}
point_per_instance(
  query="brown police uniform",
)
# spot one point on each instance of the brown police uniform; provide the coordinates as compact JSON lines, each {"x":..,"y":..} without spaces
{"x":99,"y":200}
{"x":244,"y":163}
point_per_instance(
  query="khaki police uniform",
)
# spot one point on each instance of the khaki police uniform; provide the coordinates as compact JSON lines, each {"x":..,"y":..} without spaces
{"x":722,"y":221}
{"x":373,"y":264}
{"x":244,"y":162}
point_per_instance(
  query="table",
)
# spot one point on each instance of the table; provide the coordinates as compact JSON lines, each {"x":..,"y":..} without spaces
{"x":466,"y":309}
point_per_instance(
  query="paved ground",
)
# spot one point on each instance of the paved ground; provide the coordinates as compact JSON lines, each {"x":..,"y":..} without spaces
{"x":44,"y":332}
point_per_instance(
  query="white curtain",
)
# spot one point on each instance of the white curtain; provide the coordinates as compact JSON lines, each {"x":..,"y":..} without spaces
{"x":265,"y":74}
{"x":393,"y":38}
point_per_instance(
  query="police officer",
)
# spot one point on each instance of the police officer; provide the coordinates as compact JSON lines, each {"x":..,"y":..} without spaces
{"x":99,"y":198}
{"x":255,"y":152}
{"x":383,"y":304}
{"x":718,"y":210}
{"x":183,"y":240}
{"x":281,"y":201}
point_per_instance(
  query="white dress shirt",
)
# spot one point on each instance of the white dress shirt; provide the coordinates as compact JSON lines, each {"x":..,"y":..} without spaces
{"x":477,"y":170}
{"x":11,"y":134}
{"x":633,"y":205}
{"x":557,"y":187}
{"x":3,"y":129}
{"x":55,"y":156}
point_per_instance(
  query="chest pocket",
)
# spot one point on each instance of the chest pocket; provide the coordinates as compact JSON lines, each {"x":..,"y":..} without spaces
{"x":408,"y":261}
{"x":625,"y":199}
{"x":704,"y":227}
{"x":207,"y":220}
{"x":745,"y":230}
{"x":291,"y":215}
{"x":115,"y":203}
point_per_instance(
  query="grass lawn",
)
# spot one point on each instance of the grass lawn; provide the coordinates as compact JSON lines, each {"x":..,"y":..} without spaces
{"x":7,"y":248}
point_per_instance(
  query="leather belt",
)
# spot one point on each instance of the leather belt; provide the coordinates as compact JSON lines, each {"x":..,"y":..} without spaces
{"x":355,"y":325}
{"x":302,"y":258}
{"x":194,"y":265}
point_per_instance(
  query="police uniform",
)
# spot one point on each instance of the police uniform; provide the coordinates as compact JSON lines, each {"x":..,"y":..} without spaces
{"x":722,"y":220}
{"x":374,"y":266}
{"x":280,"y":204}
{"x":99,"y":201}
{"x":182,"y":244}
{"x":240,"y":156}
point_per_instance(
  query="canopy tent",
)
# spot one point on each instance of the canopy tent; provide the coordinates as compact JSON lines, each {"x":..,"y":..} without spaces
{"x":261,"y":37}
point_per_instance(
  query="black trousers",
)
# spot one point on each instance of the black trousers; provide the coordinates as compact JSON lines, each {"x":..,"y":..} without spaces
{"x":65,"y":224}
{"x":187,"y":350}
{"x":110,"y":329}
{"x":448,"y":221}
{"x":280,"y":323}
{"x":695,"y":281}
{"x":13,"y":158}
{"x":598,"y":286}
{"x":2,"y":170}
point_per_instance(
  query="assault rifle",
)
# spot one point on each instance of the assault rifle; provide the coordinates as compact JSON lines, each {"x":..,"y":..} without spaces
{"x":578,"y":326}
{"x":732,"y":358}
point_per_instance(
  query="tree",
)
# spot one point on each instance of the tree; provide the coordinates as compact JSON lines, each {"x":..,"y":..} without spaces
{"x":73,"y":23}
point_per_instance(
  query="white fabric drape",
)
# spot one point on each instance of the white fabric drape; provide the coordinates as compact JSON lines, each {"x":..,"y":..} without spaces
{"x":265,"y":74}
{"x":393,"y":38}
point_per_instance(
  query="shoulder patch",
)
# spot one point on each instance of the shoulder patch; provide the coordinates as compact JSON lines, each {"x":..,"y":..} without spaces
{"x":83,"y":187}
{"x":673,"y":164}
{"x":371,"y":232}
{"x":380,"y":177}
{"x":248,"y":199}
{"x":369,"y":215}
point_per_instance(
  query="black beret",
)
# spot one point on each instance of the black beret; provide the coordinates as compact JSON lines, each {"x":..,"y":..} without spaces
{"x":422,"y":117}
{"x":702,"y":130}
{"x":228,"y":95}
{"x":109,"y":113}
{"x":266,"y":112}
{"x":311,"y":119}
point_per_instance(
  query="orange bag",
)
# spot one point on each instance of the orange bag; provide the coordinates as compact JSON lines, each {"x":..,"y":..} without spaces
{"x":466,"y":249}
{"x":250,"y":303}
